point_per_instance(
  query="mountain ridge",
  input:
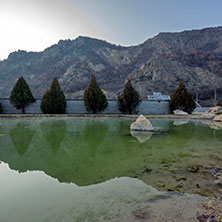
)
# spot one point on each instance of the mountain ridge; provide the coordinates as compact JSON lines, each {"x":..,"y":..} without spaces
{"x":157,"y":64}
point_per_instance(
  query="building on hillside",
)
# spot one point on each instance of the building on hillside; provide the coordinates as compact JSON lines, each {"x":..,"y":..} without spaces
{"x":157,"y":96}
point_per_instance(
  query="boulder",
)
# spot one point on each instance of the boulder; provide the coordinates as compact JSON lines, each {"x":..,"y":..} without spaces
{"x":218,"y":118}
{"x":208,"y":116}
{"x":217,"y":110}
{"x":180,"y":112}
{"x":142,"y":124}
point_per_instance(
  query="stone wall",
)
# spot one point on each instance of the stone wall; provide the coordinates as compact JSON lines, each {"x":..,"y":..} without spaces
{"x":77,"y":107}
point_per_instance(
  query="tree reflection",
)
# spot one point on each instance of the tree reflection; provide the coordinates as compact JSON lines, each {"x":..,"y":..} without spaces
{"x":94,"y":134}
{"x":54,"y":132}
{"x":21,"y":135}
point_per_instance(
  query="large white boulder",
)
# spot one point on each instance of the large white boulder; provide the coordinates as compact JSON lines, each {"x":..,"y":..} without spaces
{"x":180,"y":112}
{"x":208,"y":116}
{"x":217,"y":110}
{"x":142,"y":124}
{"x":218,"y":118}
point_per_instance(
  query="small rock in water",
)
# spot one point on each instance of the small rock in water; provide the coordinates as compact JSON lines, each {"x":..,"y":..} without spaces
{"x":141,"y":213}
{"x":180,"y":112}
{"x":147,"y":170}
{"x":218,"y":182}
{"x":193,"y":169}
{"x":179,"y":178}
{"x":142,"y":124}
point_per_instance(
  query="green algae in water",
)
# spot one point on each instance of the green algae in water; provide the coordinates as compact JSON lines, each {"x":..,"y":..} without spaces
{"x":87,"y":151}
{"x":57,"y":167}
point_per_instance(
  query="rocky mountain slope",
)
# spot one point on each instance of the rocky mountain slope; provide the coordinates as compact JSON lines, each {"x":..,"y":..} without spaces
{"x":158,"y":64}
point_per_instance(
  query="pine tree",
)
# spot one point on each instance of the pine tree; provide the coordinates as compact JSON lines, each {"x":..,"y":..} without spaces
{"x":181,"y":99}
{"x":54,"y":101}
{"x":219,"y":103}
{"x":21,"y":95}
{"x":94,"y":98}
{"x":129,"y":100}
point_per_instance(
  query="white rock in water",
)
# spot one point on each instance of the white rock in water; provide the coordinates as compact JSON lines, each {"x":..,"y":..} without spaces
{"x":208,"y":116}
{"x":142,"y":124}
{"x":215,"y":110}
{"x":218,"y":118}
{"x":180,"y":112}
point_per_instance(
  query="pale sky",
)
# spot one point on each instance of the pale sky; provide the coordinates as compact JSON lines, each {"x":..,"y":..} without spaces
{"x":34,"y":25}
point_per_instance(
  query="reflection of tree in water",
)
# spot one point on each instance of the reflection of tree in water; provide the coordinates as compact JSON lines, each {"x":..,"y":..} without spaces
{"x":94,"y":134}
{"x":21,"y":135}
{"x":54,"y":132}
{"x":182,"y":134}
{"x":128,"y":141}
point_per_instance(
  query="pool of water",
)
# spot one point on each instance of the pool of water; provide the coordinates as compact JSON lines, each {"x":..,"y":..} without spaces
{"x":84,"y":169}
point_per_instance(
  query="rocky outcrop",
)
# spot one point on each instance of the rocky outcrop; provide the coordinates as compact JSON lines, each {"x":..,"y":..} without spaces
{"x":208,"y":116}
{"x":180,"y":113}
{"x":218,"y":118}
{"x":217,"y":110}
{"x":142,"y":124}
{"x":213,"y":113}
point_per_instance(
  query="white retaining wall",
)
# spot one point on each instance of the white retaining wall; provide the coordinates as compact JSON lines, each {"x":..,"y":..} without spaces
{"x":77,"y":107}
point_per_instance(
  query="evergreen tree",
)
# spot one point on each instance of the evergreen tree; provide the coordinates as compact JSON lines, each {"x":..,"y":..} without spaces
{"x":21,"y":95}
{"x":94,"y":98}
{"x":219,"y":103}
{"x":129,"y":100}
{"x":54,"y":101}
{"x":181,"y":99}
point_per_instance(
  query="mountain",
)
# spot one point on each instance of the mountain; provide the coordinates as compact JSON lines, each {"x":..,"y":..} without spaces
{"x":158,"y":64}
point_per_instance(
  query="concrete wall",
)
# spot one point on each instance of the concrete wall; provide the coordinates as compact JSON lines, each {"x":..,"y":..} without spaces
{"x":77,"y":107}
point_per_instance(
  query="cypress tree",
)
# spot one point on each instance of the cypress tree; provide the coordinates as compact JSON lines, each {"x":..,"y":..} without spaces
{"x":94,"y":98}
{"x":182,"y":99}
{"x":21,"y":95}
{"x":54,"y":101}
{"x":129,"y":100}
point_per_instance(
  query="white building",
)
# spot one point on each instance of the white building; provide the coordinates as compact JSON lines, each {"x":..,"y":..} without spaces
{"x":157,"y":96}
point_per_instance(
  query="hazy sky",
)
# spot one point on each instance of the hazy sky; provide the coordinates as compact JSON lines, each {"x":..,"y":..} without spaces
{"x":34,"y":25}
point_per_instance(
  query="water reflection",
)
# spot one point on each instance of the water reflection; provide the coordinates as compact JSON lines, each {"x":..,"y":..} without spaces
{"x":64,"y":148}
{"x":54,"y":132}
{"x":21,"y":135}
{"x":45,"y":199}
{"x":94,"y":134}
{"x":141,"y":136}
{"x":180,"y":122}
